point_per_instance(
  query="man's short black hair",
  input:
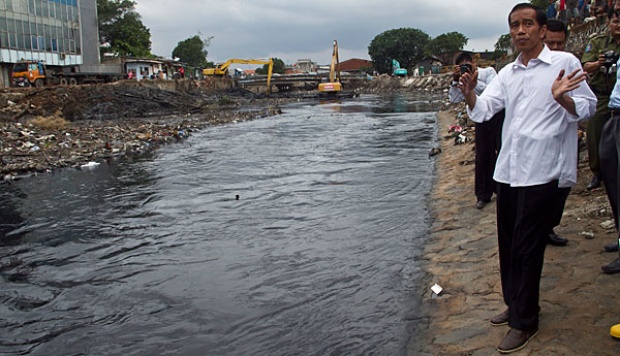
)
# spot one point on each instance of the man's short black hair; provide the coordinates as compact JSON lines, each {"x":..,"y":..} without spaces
{"x":611,"y":12}
{"x":541,"y":17}
{"x":463,"y":57}
{"x":557,"y":26}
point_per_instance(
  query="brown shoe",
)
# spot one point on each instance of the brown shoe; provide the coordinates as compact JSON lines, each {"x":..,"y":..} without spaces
{"x":515,"y":340}
{"x":500,"y":319}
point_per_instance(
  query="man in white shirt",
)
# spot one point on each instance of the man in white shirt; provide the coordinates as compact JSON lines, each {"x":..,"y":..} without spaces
{"x":488,"y":134}
{"x":542,"y":91}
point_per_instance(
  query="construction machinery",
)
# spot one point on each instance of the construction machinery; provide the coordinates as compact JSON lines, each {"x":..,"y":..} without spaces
{"x":334,"y":85}
{"x":27,"y":73}
{"x":397,"y":70}
{"x":221,"y":69}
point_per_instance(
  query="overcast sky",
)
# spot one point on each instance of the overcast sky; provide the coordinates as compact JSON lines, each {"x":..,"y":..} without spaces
{"x":293,"y":29}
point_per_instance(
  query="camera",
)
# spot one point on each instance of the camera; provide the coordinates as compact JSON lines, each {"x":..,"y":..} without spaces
{"x":609,"y":64}
{"x":611,"y":57}
{"x":465,"y":68}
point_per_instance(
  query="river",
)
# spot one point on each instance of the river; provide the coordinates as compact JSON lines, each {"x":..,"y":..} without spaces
{"x":297,"y":234}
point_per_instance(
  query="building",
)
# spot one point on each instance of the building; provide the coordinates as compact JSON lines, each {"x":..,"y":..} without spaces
{"x":428,"y":65}
{"x":301,"y":66}
{"x":58,"y":32}
{"x":356,"y":65}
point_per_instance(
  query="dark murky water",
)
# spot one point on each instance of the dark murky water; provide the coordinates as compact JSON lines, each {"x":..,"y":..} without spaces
{"x":156,"y":256}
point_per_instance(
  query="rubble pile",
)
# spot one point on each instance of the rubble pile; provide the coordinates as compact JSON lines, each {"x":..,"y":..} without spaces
{"x":53,"y":127}
{"x":428,"y":83}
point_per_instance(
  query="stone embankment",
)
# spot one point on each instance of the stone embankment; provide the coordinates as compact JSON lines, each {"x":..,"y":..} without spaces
{"x":429,"y":83}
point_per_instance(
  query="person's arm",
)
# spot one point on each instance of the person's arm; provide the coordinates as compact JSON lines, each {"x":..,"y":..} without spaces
{"x":574,"y":95}
{"x":593,"y":66}
{"x":564,"y":84}
{"x":591,"y":60}
{"x":485,"y":76}
{"x":454,"y":94}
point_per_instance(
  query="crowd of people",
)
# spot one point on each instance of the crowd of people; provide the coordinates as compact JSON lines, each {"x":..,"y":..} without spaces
{"x":526,"y":151}
{"x":572,"y":12}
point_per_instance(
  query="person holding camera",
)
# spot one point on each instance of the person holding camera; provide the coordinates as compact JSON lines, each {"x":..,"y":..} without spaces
{"x":488,"y":134}
{"x":599,"y":61}
{"x":542,"y":92}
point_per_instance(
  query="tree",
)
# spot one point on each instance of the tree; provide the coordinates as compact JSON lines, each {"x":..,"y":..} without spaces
{"x":121,"y":32}
{"x":193,"y":51}
{"x":406,"y":45}
{"x":503,"y":44}
{"x":540,"y":3}
{"x":278,"y":67}
{"x":447,"y":43}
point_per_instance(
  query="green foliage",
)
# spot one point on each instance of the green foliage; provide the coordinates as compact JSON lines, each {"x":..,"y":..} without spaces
{"x":278,"y":67}
{"x":120,"y":26}
{"x":406,"y":45}
{"x":503,"y":44}
{"x":540,"y":3}
{"x":446,"y":43}
{"x":193,"y":51}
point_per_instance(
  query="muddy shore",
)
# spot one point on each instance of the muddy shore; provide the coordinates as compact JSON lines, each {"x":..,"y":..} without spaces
{"x":56,"y":127}
{"x":578,"y":302}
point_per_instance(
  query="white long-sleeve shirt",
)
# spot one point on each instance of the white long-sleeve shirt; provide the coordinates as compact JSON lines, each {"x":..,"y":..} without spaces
{"x":536,"y":127}
{"x":485,"y":76}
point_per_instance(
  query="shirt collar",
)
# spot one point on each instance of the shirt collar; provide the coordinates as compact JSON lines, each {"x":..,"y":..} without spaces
{"x":544,"y":56}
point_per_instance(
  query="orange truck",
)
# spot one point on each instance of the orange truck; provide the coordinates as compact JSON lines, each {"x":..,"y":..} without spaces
{"x":37,"y":74}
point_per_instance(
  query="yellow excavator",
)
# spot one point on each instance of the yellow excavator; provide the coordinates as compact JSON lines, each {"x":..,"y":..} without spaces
{"x":221,"y":69}
{"x":334,"y":85}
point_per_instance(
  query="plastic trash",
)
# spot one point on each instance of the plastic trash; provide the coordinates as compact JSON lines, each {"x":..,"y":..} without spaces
{"x":436,"y":289}
{"x":90,"y":165}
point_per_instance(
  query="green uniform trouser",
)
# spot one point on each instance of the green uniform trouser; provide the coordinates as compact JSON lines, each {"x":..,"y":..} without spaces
{"x":594,"y":127}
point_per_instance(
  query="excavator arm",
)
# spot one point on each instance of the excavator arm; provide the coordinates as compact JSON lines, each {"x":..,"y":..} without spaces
{"x":222,"y":69}
{"x":334,"y":85}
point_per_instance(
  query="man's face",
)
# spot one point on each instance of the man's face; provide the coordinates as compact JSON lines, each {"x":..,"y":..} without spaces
{"x":614,"y":26}
{"x":556,"y":41}
{"x":526,"y":33}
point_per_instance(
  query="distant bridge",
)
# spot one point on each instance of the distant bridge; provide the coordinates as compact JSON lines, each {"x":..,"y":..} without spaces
{"x":294,"y":81}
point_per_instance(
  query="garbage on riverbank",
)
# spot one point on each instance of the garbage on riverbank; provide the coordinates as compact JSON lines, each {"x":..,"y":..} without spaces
{"x":54,"y":127}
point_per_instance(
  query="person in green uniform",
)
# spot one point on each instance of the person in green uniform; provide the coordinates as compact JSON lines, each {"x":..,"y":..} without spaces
{"x":599,"y":61}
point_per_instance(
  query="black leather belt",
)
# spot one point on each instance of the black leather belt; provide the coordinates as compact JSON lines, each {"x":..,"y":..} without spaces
{"x":615,"y":112}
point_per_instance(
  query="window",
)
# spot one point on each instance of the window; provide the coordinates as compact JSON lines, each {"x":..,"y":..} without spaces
{"x":20,"y":67}
{"x":4,"y":40}
{"x":54,"y":45}
{"x":45,"y":11}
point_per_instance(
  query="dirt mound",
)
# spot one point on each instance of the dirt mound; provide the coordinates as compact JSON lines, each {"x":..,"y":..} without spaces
{"x":118,"y":101}
{"x":48,"y":128}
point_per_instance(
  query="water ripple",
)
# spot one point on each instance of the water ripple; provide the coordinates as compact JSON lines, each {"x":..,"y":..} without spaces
{"x":291,"y":235}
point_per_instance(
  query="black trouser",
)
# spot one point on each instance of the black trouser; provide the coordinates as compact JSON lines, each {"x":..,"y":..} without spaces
{"x":594,"y":128}
{"x":558,"y":210}
{"x":609,"y":152}
{"x":523,"y":221}
{"x":488,"y":142}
